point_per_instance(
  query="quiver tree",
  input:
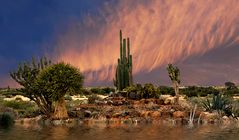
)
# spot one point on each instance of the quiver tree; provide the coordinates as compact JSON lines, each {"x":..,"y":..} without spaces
{"x":57,"y":81}
{"x":26,"y":76}
{"x":174,"y":74}
{"x":123,"y":75}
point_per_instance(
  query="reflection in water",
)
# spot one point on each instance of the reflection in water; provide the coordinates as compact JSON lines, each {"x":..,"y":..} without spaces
{"x":125,"y":132}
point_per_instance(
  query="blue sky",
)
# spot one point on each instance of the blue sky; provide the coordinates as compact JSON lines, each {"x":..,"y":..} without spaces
{"x":26,"y":25}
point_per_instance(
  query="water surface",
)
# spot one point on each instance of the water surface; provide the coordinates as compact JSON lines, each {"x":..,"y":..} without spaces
{"x":121,"y":132}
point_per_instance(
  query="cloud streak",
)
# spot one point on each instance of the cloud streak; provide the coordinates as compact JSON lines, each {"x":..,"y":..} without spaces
{"x":161,"y":32}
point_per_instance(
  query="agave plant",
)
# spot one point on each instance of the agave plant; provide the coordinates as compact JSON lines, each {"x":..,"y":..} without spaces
{"x":218,"y":103}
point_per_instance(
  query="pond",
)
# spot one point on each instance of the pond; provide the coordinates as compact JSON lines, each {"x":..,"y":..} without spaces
{"x":121,"y":132}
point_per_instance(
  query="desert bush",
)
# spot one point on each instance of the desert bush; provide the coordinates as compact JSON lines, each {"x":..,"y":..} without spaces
{"x":231,"y":89}
{"x":235,"y":109}
{"x":219,"y":103}
{"x":139,"y":92}
{"x":194,"y":91}
{"x":93,"y":98}
{"x":164,"y":90}
{"x":6,"y":119}
{"x":23,"y":108}
{"x":108,"y":90}
{"x":68,"y":97}
{"x":85,"y":91}
{"x":17,"y":104}
{"x":149,"y":91}
{"x":102,"y":90}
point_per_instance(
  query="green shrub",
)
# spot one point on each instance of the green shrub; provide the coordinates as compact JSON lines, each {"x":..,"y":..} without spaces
{"x":17,"y":104}
{"x":194,"y":91}
{"x":149,"y":91}
{"x":97,"y":90}
{"x":164,"y":90}
{"x":139,"y":92}
{"x":6,"y":119}
{"x":108,"y":90}
{"x":235,"y":109}
{"x":218,"y":103}
{"x":68,"y":97}
{"x":24,"y":109}
{"x":93,"y":98}
{"x":103,"y":90}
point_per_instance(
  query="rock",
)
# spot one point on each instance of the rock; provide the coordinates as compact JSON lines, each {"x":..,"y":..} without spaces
{"x":57,"y":122}
{"x":159,"y":101}
{"x":116,"y":115}
{"x":148,"y":101}
{"x":226,"y":119}
{"x":169,"y":101}
{"x":132,"y":95}
{"x":142,"y":101}
{"x":207,"y":116}
{"x":166,"y":114}
{"x":152,"y":106}
{"x":179,"y":114}
{"x":155,"y":114}
{"x":134,"y":113}
{"x":87,"y":113}
{"x":144,"y":114}
{"x":183,"y":102}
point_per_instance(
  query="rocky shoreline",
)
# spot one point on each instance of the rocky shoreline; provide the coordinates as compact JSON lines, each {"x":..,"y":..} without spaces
{"x":119,"y":110}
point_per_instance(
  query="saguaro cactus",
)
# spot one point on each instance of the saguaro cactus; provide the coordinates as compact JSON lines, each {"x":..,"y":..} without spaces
{"x":123,"y":74}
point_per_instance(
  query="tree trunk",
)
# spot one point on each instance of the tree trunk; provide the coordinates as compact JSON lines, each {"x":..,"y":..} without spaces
{"x":60,"y":111}
{"x":176,"y":89}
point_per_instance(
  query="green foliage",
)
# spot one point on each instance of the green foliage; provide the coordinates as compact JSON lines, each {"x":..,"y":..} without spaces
{"x":235,"y":108}
{"x":26,"y":76}
{"x":164,"y":90}
{"x":68,"y":97}
{"x":108,"y":90}
{"x":230,"y":85}
{"x":149,"y":91}
{"x":17,"y":104}
{"x":173,"y":73}
{"x":93,"y":98}
{"x":6,"y":119}
{"x":123,"y":74}
{"x":231,"y":89}
{"x":103,"y":90}
{"x":194,"y":91}
{"x":139,"y":92}
{"x":8,"y":92}
{"x":24,"y":109}
{"x":219,"y":103}
{"x":60,"y":79}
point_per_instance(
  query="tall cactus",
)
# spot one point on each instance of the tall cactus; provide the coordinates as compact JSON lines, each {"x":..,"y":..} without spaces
{"x":123,"y":74}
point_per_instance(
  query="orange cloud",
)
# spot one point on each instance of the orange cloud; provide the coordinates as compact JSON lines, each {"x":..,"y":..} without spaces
{"x":161,"y":32}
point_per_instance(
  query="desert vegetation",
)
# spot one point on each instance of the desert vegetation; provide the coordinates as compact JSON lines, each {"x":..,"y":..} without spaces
{"x":55,"y":91}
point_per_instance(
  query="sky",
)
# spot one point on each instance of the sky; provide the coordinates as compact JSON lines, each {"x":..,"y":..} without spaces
{"x":200,"y":37}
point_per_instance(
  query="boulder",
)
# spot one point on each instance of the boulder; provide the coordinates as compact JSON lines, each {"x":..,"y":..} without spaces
{"x":155,"y":114}
{"x":169,"y":100}
{"x":179,"y":114}
{"x":207,"y":116}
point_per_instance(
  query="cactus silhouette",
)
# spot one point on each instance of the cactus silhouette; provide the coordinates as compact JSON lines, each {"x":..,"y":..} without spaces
{"x":123,"y":74}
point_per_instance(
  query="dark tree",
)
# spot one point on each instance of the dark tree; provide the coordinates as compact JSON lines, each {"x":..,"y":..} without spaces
{"x":26,"y":76}
{"x":58,"y":80}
